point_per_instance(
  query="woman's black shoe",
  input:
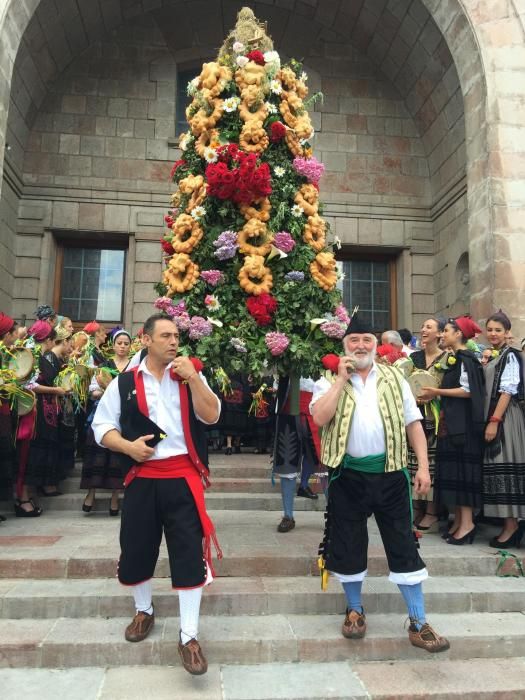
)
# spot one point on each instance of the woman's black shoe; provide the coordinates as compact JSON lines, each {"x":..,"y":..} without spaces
{"x":88,"y":508}
{"x":469,"y":537}
{"x":307,"y":493}
{"x":228,"y":451}
{"x":114,"y":511}
{"x":513,"y":541}
{"x":22,"y":513}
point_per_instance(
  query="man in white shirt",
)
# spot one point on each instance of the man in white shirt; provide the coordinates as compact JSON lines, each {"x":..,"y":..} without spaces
{"x":365,"y":409}
{"x":154,"y":416}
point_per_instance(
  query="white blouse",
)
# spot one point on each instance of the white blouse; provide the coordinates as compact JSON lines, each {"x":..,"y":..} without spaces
{"x":510,"y":377}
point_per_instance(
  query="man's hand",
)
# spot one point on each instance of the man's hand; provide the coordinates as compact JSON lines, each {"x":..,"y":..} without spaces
{"x":184,"y":367}
{"x":345,"y":368}
{"x":139,"y":451}
{"x":422,"y":481}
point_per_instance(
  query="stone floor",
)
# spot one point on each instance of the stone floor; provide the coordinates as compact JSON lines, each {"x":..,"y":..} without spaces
{"x":267,"y":628}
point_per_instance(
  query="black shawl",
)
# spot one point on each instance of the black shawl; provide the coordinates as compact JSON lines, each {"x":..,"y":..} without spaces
{"x":464,"y":415}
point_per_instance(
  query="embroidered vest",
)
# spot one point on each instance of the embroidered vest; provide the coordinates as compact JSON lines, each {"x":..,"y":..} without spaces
{"x":132,"y":422}
{"x":390,"y":398}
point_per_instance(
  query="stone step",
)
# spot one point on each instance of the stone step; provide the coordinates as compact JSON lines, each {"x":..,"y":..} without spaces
{"x":77,"y":598}
{"x":214,"y":500}
{"x":220,"y":484}
{"x":437,"y":679}
{"x":67,"y":643}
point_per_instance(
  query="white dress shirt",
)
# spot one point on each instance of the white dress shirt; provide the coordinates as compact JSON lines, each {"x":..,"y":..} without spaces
{"x":163,"y":399}
{"x":367,"y":435}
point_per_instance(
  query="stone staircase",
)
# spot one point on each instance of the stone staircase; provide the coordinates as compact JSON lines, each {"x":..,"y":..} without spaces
{"x":266,"y":627}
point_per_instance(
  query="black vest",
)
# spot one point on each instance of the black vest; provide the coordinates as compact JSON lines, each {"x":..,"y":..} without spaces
{"x":134,"y":424}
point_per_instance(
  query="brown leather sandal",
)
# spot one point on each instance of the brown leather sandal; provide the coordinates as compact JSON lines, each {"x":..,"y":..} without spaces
{"x":427,"y":638}
{"x":192,"y":657}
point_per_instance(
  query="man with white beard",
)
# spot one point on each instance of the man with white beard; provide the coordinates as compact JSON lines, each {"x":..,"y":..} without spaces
{"x":366,"y":411}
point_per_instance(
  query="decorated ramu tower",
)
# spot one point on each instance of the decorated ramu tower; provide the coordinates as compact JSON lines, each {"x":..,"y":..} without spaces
{"x":250,"y":277}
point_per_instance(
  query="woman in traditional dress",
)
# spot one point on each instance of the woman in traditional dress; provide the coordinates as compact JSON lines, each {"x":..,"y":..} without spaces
{"x":41,"y":470}
{"x":100,"y":467}
{"x":234,"y":415}
{"x":430,"y":358}
{"x":8,"y":333}
{"x":504,"y":460}
{"x":98,"y":333}
{"x":66,"y":423}
{"x":457,"y":481}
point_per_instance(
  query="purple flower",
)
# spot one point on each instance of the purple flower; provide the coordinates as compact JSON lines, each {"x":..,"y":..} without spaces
{"x":276,"y":342}
{"x":238,"y":344}
{"x":199,"y":328}
{"x":333,"y":329}
{"x":226,"y":238}
{"x":284,"y":241}
{"x":294,"y":276}
{"x":341,"y":314}
{"x":182,"y":321}
{"x":212,"y":277}
{"x":163,"y":304}
{"x":310,"y":168}
{"x":226,"y":252}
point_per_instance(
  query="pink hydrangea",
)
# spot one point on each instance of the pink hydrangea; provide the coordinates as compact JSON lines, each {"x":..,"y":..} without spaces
{"x":284,"y":241}
{"x":333,"y":329}
{"x":276,"y":342}
{"x":342,"y":314}
{"x":212,"y":277}
{"x":310,"y":168}
{"x":163,"y":304}
{"x":182,"y":321}
{"x":199,"y":328}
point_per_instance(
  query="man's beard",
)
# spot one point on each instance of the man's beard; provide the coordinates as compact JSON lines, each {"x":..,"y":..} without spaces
{"x":362,"y":361}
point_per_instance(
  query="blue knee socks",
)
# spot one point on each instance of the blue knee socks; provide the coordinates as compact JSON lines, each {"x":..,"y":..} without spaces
{"x":353,"y":595}
{"x":415,"y":603}
{"x":288,"y":493}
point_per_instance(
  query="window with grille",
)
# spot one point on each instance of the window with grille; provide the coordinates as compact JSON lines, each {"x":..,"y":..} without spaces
{"x":183,"y":100}
{"x":90,"y":283}
{"x":369,"y":284}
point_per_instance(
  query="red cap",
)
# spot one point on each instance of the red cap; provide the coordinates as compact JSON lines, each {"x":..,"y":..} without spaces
{"x":92,"y":327}
{"x":467,"y":326}
{"x":40,"y":330}
{"x":6,"y":323}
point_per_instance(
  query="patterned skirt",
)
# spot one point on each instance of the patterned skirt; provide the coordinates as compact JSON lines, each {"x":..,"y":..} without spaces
{"x":413,"y":465}
{"x":100,"y":467}
{"x":504,"y":474}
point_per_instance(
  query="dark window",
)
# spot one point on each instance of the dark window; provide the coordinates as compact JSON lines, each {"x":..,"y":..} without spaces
{"x":91,"y":283}
{"x":183,"y":100}
{"x":369,"y":284}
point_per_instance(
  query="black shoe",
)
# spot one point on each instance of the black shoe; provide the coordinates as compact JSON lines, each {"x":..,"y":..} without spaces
{"x":228,"y":451}
{"x":307,"y":493}
{"x":286,"y":524}
{"x":22,"y":513}
{"x":114,"y":511}
{"x":469,"y":537}
{"x":88,"y":508}
{"x":513,"y":541}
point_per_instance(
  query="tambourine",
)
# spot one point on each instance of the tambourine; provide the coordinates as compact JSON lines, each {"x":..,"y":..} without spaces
{"x":25,"y":403}
{"x":83,"y":371}
{"x":66,"y":381}
{"x":104,"y":377}
{"x":406,"y":366}
{"x":21,"y":363}
{"x":419,"y":379}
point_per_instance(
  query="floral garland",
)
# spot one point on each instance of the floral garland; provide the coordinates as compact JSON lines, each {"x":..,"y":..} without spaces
{"x":250,"y":279}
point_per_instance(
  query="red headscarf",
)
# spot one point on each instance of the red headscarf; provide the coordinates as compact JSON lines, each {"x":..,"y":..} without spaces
{"x":6,"y":323}
{"x":467,"y":326}
{"x":40,"y":330}
{"x":92,"y":327}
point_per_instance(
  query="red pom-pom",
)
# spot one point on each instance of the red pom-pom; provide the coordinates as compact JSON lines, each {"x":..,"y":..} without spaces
{"x":331,"y":362}
{"x":278,"y":132}
{"x":256,"y":57}
{"x":91,"y":328}
{"x":390,"y":353}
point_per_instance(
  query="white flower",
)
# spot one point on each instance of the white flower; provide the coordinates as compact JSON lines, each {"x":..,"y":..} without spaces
{"x":272,"y":109}
{"x":276,"y":87}
{"x":214,"y":322}
{"x":279,"y":171}
{"x":184,"y":142}
{"x":242,"y":61}
{"x":337,"y":242}
{"x":210,"y":155}
{"x":238,"y":47}
{"x":297,"y":211}
{"x":198,"y":212}
{"x":231,"y":104}
{"x":304,"y":77}
{"x":193,"y":86}
{"x":272,"y":57}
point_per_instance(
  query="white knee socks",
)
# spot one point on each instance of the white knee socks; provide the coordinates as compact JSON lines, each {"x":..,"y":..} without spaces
{"x":142,"y":595}
{"x":189,"y":604}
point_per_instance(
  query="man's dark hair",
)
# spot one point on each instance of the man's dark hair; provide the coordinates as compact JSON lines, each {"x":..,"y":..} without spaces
{"x":149,"y":324}
{"x":406,"y":335}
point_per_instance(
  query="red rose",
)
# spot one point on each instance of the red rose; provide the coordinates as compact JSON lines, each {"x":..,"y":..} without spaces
{"x":169,"y":220}
{"x":278,"y":132}
{"x":166,"y":246}
{"x":262,"y":308}
{"x":256,"y":57}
